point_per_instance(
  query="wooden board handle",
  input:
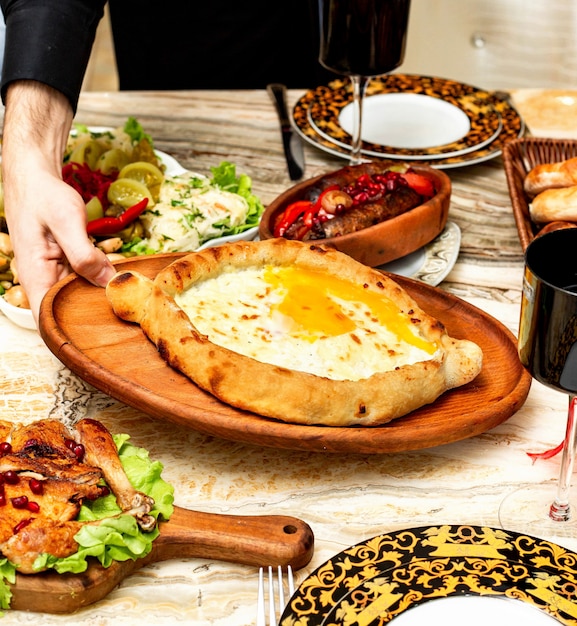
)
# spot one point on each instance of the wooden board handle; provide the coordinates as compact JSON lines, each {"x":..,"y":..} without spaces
{"x":250,"y":540}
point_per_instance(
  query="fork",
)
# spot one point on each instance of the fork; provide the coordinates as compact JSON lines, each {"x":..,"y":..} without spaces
{"x":261,"y":617}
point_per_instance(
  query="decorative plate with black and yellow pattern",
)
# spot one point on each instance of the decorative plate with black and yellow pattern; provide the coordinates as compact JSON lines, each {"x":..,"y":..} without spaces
{"x":403,"y":572}
{"x":482,"y":144}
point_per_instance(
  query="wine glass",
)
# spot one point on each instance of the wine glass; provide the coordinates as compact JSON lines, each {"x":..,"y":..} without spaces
{"x":547,"y":348}
{"x":360,"y":39}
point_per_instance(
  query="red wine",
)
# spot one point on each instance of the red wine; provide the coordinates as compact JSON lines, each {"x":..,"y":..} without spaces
{"x":364,"y":37}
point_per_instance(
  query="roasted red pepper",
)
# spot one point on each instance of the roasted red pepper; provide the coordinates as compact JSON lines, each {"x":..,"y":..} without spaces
{"x":421,"y":184}
{"x":111,"y":225}
{"x":306,"y":208}
{"x":290,"y":216}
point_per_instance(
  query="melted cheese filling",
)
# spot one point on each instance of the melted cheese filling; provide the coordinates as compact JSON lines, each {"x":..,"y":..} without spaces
{"x":305,"y":320}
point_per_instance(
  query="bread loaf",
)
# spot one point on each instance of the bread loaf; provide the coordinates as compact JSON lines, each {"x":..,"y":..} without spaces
{"x":551,"y":176}
{"x":555,"y":205}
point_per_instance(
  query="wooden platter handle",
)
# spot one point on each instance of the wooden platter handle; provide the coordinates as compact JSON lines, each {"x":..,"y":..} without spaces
{"x":250,"y":540}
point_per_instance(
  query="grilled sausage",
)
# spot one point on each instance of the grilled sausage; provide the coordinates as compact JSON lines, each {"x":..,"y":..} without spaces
{"x":390,"y":205}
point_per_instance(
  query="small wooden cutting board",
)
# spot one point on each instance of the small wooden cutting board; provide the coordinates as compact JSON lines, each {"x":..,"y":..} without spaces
{"x":250,"y":540}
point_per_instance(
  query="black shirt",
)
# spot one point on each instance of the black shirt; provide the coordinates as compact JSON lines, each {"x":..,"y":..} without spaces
{"x":173,"y":44}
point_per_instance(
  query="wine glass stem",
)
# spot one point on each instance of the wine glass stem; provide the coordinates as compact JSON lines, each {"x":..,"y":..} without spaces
{"x":359,"y":84}
{"x":560,"y":510}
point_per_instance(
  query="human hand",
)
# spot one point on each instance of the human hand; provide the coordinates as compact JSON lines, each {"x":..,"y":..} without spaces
{"x":47,"y":225}
{"x":46,"y":217}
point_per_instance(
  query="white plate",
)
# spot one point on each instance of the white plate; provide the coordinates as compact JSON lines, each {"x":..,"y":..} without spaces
{"x":474,"y":611}
{"x":408,"y":120}
{"x":432,"y":263}
{"x":20,"y":317}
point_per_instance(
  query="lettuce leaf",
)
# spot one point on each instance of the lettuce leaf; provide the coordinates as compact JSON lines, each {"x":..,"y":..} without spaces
{"x":134,"y":130}
{"x":224,"y":176}
{"x":7,"y":575}
{"x":114,"y":539}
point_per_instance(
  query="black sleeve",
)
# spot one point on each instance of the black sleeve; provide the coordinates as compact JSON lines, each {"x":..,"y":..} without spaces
{"x":49,"y":41}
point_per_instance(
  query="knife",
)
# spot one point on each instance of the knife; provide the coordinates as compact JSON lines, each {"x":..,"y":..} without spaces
{"x":293,"y":148}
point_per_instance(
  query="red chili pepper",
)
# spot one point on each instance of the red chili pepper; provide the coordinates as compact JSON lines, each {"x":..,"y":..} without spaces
{"x":290,"y":216}
{"x":112,"y":225}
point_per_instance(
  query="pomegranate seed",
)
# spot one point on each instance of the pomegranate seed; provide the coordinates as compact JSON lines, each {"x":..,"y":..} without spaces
{"x":5,"y":448}
{"x":19,"y":502}
{"x":2,"y":499}
{"x":33,"y":507}
{"x":11,"y":477}
{"x":36,"y":486}
{"x":21,"y":525}
{"x":32,"y":443}
{"x":79,"y":451}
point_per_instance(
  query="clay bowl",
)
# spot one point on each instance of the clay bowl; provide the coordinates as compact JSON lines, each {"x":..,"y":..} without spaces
{"x":383,"y":242}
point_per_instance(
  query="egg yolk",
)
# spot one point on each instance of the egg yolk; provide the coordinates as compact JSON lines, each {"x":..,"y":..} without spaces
{"x":310,"y":301}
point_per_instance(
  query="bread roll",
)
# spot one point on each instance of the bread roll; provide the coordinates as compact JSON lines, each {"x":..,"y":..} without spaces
{"x":556,"y":226}
{"x":555,"y":205}
{"x":551,"y":176}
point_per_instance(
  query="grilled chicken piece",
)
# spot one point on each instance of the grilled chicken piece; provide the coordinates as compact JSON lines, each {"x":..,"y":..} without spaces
{"x":43,"y":483}
{"x":38,"y":537}
{"x":57,"y":500}
{"x":42,"y":447}
{"x":100,"y":449}
{"x":5,"y":428}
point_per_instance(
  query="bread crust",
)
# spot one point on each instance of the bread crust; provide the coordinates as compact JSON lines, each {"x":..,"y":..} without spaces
{"x":277,"y":392}
{"x":551,"y":176}
{"x":555,"y":205}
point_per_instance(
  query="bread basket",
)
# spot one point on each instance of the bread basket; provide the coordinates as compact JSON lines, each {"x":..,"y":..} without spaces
{"x":519,"y":157}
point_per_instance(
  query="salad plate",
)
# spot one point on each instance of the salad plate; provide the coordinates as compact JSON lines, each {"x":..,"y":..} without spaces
{"x":409,"y":116}
{"x":23,"y":317}
{"x":440,"y":574}
{"x":512,"y":126}
{"x":173,"y":168}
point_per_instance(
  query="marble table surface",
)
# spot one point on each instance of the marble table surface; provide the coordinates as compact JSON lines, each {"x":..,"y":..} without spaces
{"x":345,"y":498}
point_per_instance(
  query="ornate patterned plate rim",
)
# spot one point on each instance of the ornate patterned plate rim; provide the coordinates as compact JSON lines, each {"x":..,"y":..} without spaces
{"x":329,"y":102}
{"x":432,"y":263}
{"x":513,"y":127}
{"x":382,"y":577}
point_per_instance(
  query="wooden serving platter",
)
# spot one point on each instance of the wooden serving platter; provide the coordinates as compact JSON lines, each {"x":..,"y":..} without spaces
{"x":251,"y":540}
{"x":78,"y":325}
